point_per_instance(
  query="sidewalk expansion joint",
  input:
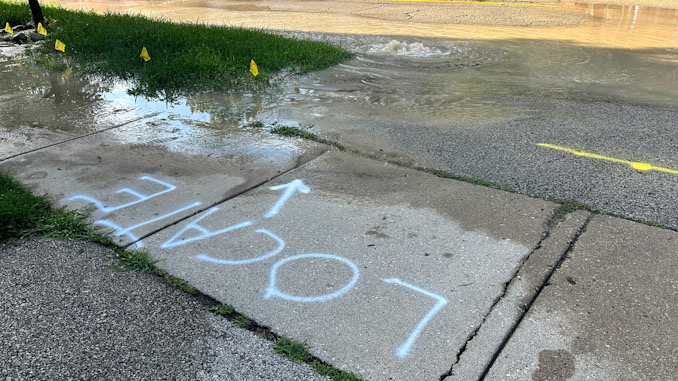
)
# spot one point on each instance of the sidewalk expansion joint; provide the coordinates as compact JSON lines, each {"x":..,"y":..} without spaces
{"x":298,"y":164}
{"x":541,"y":287}
{"x":84,"y":136}
{"x":547,"y":229}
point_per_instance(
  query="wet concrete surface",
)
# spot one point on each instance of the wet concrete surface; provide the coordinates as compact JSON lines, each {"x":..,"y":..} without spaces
{"x":481,"y":111}
{"x":214,"y":171}
{"x":474,"y":104}
{"x":324,"y":264}
{"x":486,"y":344}
{"x":406,"y":252}
{"x":608,"y":312}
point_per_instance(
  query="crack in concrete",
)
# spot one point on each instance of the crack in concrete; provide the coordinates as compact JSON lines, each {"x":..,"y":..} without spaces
{"x":549,"y":226}
{"x":545,"y":283}
{"x":298,"y":164}
{"x":83,"y":136}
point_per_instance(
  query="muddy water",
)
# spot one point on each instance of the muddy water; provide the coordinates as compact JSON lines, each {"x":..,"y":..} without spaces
{"x":424,"y":65}
{"x":38,"y":108}
{"x":435,"y":60}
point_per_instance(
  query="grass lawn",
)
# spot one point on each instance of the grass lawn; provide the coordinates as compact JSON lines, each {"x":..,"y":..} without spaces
{"x":23,"y":213}
{"x":185,"y":58}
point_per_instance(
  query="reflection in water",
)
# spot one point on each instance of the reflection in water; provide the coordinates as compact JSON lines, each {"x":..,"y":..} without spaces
{"x":40,"y":98}
{"x":430,"y":73}
{"x":36,"y":103}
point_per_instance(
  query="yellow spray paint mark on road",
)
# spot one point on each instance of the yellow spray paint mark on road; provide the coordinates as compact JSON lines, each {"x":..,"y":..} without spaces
{"x":633,"y":164}
{"x":480,"y":2}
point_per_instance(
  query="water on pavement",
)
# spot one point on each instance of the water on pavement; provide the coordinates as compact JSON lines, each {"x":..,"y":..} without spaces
{"x":450,"y":67}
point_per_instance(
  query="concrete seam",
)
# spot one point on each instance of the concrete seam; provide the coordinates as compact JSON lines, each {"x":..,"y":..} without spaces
{"x":257,"y":185}
{"x":546,"y":234}
{"x":83,"y":136}
{"x":546,"y":281}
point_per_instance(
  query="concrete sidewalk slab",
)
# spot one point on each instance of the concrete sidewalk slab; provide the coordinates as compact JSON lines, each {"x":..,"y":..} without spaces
{"x":609,"y":313}
{"x":134,"y":179}
{"x":383,"y":271}
{"x":481,"y":350}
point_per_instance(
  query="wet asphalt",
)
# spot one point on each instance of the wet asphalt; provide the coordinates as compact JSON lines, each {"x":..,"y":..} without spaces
{"x":486,"y":121}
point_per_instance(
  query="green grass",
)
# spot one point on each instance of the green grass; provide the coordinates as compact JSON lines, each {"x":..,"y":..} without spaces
{"x":566,"y":207}
{"x":135,"y":260}
{"x":176,"y":283}
{"x":185,"y":58}
{"x":223,"y":309}
{"x":297,"y":132}
{"x":472,"y":180}
{"x":23,"y":213}
{"x":298,"y":352}
{"x":295,"y":351}
{"x":242,"y":321}
{"x":654,"y":223}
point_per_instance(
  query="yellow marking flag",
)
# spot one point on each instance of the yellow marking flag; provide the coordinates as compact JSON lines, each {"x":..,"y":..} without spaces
{"x":144,"y":54}
{"x":633,"y":164}
{"x":253,"y":68}
{"x":58,"y":45}
{"x":41,"y":29}
{"x":67,"y":73}
{"x":8,"y":28}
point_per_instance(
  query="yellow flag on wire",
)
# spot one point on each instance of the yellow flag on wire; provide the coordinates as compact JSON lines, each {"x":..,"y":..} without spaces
{"x":8,"y":28}
{"x":144,"y":54}
{"x":41,"y":29}
{"x":67,"y":73}
{"x":253,"y":68}
{"x":58,"y":45}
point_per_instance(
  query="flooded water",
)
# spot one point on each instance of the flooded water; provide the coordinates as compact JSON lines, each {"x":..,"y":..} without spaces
{"x":454,"y":60}
{"x":36,"y":103}
{"x":470,"y":88}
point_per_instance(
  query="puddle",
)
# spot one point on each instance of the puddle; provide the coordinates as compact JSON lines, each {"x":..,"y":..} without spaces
{"x":627,"y":26}
{"x":38,"y":108}
{"x":409,"y":50}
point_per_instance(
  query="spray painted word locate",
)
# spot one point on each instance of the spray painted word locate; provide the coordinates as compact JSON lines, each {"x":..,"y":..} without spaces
{"x":199,"y":232}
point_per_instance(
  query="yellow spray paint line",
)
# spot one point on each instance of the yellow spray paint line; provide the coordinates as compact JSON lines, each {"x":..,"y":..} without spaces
{"x":480,"y":2}
{"x":633,"y":164}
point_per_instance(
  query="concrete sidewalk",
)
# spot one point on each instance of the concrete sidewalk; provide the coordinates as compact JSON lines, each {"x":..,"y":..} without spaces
{"x":384,"y":271}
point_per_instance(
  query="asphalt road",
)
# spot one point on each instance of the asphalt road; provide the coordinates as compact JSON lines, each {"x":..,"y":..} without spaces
{"x":606,"y":118}
{"x":69,"y":314}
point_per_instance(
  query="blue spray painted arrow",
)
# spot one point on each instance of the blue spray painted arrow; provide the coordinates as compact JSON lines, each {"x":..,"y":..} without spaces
{"x":294,"y":186}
